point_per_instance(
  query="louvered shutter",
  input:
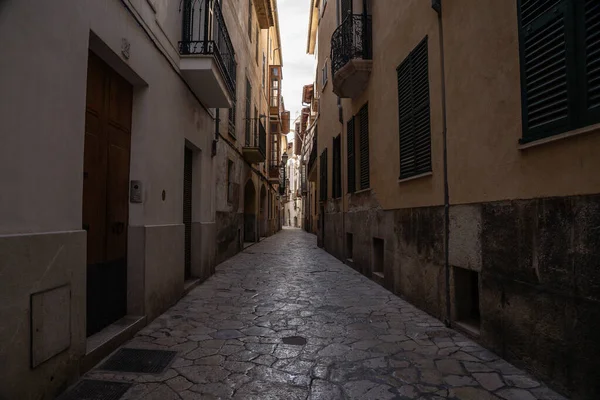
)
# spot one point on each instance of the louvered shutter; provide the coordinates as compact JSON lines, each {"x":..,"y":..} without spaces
{"x":351,"y":157}
{"x":592,"y":60}
{"x":414,"y":113}
{"x":337,"y":167}
{"x":363,"y":116}
{"x":323,"y":173}
{"x":546,"y":39}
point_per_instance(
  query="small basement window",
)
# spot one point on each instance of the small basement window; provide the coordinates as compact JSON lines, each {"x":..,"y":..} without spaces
{"x":378,"y":245}
{"x":349,"y":247}
{"x":466,"y":299}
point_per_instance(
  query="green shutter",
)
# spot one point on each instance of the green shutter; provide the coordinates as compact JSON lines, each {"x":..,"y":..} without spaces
{"x":363,"y":116}
{"x":546,"y":57}
{"x":351,"y":157}
{"x":414,"y":112}
{"x":592,"y":60}
{"x":323,"y":173}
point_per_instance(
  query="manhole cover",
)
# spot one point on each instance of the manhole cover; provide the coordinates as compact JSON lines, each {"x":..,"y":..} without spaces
{"x":294,"y":340}
{"x":96,"y":390}
{"x":143,"y":361}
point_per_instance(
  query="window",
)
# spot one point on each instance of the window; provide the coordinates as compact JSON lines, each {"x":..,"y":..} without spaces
{"x":274,"y":149}
{"x":323,"y":174}
{"x":248,"y":110}
{"x":324,"y":75}
{"x":257,"y":40}
{"x":264,"y":71}
{"x":255,"y":127}
{"x":274,"y":87}
{"x":378,"y":256}
{"x":351,"y":144}
{"x":358,"y":151}
{"x":466,"y":298}
{"x":560,"y":55}
{"x":414,"y":114}
{"x":229,"y":181}
{"x":231,"y":116}
{"x":337,"y":168}
{"x":363,"y":143}
{"x":250,"y":20}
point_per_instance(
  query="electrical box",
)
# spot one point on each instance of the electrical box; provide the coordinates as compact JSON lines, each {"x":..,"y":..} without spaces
{"x":135,"y":192}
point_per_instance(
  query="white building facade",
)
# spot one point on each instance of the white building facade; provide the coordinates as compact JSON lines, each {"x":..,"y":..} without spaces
{"x":109,"y":158}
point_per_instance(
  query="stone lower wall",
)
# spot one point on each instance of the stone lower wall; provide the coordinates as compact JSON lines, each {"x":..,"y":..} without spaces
{"x":32,"y":266}
{"x":538,"y":275}
{"x":230,"y":234}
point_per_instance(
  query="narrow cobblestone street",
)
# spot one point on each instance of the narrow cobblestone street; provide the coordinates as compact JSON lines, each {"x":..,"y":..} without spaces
{"x":285,"y":320}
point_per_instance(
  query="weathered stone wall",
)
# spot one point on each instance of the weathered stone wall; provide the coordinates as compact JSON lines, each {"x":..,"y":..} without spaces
{"x":230,"y":230}
{"x":539,"y":276}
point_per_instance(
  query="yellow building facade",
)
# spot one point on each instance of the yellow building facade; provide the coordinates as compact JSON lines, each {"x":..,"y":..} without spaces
{"x":456,"y":164}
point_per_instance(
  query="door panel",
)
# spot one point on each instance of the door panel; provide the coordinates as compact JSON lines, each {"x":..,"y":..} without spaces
{"x":106,"y":193}
{"x":117,"y":203}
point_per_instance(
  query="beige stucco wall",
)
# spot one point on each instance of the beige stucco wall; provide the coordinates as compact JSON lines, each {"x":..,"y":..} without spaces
{"x":484,"y":115}
{"x":43,"y":85}
{"x":483,"y":87}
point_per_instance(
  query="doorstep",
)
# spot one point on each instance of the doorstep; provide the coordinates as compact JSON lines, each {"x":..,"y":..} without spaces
{"x":101,"y":344}
{"x":189,"y":285}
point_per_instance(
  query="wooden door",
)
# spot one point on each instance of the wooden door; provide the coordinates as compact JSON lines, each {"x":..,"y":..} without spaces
{"x":106,"y":192}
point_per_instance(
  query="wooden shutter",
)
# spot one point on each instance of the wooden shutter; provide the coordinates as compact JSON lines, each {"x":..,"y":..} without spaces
{"x":323,"y":173}
{"x":248,"y":108}
{"x":546,"y":43}
{"x":337,"y":167}
{"x":363,"y":116}
{"x":592,"y":60}
{"x":414,"y":113}
{"x":351,"y":156}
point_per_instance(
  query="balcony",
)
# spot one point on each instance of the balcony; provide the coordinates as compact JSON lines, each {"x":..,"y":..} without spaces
{"x":274,"y":174}
{"x":207,"y":57}
{"x":255,"y":148}
{"x":351,"y":56}
{"x":264,"y":13}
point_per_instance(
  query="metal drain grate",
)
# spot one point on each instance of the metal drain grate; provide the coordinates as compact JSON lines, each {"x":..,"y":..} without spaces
{"x":96,"y":390}
{"x":294,"y":340}
{"x":143,"y":361}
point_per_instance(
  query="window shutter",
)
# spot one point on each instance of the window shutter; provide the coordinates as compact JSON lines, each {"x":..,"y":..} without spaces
{"x":592,"y":60}
{"x":351,"y":157}
{"x":545,"y":27}
{"x":363,"y":115}
{"x":248,"y":108}
{"x":337,"y":167}
{"x":414,"y":113}
{"x":323,"y":173}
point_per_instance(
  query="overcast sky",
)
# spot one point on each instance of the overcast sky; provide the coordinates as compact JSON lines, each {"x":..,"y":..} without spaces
{"x":298,"y":67}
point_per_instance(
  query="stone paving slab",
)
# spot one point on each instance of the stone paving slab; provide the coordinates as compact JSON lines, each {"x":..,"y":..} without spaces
{"x":361,"y":341}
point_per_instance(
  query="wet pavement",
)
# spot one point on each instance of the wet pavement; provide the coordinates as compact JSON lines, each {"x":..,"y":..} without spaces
{"x":286,"y":320}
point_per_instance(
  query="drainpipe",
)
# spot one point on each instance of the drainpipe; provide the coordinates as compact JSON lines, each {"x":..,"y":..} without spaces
{"x":343,"y":173}
{"x":437,"y":6}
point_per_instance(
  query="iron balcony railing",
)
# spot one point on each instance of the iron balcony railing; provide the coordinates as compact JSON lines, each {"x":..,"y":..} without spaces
{"x":207,"y":34}
{"x":351,"y":40}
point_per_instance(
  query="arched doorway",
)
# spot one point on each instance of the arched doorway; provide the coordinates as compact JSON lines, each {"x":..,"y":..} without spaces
{"x":263,"y":212}
{"x":250,"y":212}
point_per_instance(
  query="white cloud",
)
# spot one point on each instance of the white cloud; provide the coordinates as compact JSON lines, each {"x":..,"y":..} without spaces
{"x":298,"y":67}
